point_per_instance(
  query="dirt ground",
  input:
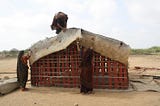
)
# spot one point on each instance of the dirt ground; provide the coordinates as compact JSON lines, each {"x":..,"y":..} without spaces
{"x":51,"y":96}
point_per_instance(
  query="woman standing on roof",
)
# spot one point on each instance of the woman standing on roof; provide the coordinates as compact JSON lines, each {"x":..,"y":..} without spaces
{"x":59,"y":22}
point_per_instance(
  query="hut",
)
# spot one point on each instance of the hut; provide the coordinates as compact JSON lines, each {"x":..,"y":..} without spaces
{"x":55,"y":61}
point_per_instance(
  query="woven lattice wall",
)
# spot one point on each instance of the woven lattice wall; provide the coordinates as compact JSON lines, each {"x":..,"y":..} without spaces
{"x":62,"y":69}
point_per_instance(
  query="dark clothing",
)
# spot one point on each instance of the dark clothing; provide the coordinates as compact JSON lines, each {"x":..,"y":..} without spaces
{"x":61,"y":19}
{"x":86,"y":71}
{"x":22,"y":70}
{"x":86,"y":79}
{"x":86,"y":57}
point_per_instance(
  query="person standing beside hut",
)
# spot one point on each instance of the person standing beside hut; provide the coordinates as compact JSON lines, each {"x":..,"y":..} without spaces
{"x":86,"y":83}
{"x":59,"y":22}
{"x":22,"y":69}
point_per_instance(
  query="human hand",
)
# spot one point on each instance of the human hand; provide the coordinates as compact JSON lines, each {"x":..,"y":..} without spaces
{"x":64,"y":29}
{"x":91,"y":47}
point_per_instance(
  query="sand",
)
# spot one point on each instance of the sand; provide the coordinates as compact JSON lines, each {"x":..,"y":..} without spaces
{"x":52,"y":96}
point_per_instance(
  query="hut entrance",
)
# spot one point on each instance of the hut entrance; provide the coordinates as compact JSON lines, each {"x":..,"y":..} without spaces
{"x":62,"y":69}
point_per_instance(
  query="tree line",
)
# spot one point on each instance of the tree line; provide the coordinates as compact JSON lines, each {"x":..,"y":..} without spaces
{"x":148,"y":51}
{"x":9,"y":53}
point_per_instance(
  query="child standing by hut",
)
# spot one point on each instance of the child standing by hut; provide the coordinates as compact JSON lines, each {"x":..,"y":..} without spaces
{"x":22,"y":69}
{"x":86,"y":74}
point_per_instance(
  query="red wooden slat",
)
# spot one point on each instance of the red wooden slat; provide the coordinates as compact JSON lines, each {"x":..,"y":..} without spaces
{"x":103,"y":71}
{"x":97,"y":65}
{"x":76,"y":67}
{"x":63,"y":66}
{"x":116,"y":79}
{"x":67,"y":67}
{"x":120,"y":75}
{"x":109,"y":74}
{"x":125,"y":81}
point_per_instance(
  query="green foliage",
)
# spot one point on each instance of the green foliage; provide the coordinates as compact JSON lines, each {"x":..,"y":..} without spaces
{"x":149,"y":51}
{"x":153,"y":50}
{"x":10,"y":53}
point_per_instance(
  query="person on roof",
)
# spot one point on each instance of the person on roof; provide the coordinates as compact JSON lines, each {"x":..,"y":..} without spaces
{"x":59,"y":22}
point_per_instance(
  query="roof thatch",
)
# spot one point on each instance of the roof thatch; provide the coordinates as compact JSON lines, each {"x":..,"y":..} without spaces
{"x":114,"y":49}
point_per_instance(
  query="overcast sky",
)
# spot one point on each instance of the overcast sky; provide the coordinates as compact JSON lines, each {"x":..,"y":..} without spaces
{"x":24,"y":22}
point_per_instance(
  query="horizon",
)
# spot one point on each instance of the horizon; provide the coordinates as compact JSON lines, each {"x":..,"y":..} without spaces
{"x":27,"y":48}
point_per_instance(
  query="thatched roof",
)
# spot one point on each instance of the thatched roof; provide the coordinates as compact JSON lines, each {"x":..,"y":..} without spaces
{"x":114,"y":49}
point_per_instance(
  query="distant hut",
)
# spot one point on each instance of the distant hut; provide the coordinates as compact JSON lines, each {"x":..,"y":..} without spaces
{"x":55,"y":61}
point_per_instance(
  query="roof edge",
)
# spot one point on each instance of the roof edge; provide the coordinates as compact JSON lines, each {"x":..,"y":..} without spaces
{"x":54,"y":44}
{"x":109,"y":47}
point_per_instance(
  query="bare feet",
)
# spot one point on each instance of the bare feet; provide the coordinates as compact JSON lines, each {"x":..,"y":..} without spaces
{"x":90,"y":92}
{"x":24,"y":89}
{"x":64,"y":29}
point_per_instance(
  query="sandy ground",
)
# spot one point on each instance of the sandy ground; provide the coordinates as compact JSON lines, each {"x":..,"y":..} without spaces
{"x":51,"y":96}
{"x":144,"y":61}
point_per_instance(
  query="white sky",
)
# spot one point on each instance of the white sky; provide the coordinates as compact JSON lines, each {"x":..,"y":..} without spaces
{"x":24,"y":22}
